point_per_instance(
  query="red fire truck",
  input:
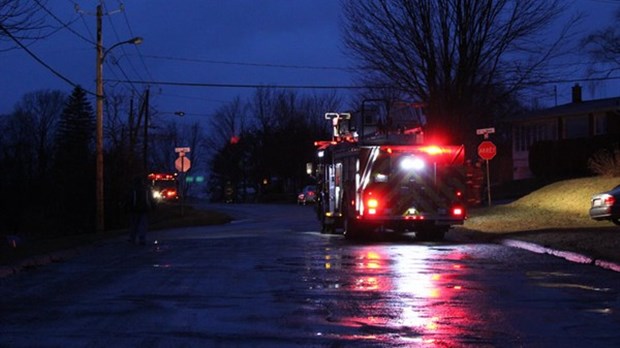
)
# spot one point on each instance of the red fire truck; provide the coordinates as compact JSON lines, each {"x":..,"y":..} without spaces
{"x":164,"y":187}
{"x":381,"y":177}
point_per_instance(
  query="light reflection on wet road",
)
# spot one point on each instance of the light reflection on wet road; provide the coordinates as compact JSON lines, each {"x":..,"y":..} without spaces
{"x":271,"y":279}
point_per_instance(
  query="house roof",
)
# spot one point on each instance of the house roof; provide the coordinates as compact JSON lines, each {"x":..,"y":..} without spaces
{"x":570,"y":109}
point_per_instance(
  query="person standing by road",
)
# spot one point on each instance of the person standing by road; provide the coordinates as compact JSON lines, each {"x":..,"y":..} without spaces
{"x":140,"y":202}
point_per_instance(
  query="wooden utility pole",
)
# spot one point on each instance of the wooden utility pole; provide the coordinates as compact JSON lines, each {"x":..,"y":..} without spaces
{"x":100,"y":221}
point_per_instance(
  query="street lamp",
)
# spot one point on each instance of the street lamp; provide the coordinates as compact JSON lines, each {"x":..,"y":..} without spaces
{"x":101,"y":54}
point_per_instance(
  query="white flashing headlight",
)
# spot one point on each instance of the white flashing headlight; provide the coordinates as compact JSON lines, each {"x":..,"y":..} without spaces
{"x":412,"y":163}
{"x":157,"y":195}
{"x":321,"y":154}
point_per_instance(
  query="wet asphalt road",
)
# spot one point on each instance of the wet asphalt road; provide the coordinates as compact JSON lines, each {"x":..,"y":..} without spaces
{"x":270,"y":279}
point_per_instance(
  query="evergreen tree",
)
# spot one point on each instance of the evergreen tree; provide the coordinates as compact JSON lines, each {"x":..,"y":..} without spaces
{"x":76,"y":128}
{"x":75,"y":173}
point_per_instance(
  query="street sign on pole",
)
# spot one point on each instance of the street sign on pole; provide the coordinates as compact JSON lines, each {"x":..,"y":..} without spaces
{"x":487,"y":150}
{"x":482,"y":131}
{"x":182,"y":164}
{"x":182,"y":149}
{"x":485,"y":132}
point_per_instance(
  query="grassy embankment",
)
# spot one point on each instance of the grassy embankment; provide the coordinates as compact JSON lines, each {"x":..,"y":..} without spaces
{"x":564,"y":204}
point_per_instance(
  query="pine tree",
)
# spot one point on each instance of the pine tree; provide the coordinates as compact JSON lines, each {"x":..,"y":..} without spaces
{"x":75,"y":169}
{"x":76,"y":129}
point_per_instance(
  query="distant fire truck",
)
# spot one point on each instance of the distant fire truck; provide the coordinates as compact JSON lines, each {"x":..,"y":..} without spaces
{"x":164,"y":187}
{"x":379,"y":176}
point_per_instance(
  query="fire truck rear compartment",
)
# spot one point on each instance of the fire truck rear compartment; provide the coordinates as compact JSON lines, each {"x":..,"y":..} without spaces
{"x":371,"y":184}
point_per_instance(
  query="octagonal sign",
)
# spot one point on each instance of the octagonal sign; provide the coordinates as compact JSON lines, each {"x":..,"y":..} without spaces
{"x":487,"y":150}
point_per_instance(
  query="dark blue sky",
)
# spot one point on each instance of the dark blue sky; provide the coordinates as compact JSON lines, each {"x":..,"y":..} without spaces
{"x":232,"y":42}
{"x":238,"y":42}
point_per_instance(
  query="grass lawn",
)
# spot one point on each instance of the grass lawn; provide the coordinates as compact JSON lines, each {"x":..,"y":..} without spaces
{"x":564,"y":204}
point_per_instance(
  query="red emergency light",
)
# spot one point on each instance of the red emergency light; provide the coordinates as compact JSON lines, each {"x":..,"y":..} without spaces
{"x":161,"y":176}
{"x":458,"y":211}
{"x":440,"y":154}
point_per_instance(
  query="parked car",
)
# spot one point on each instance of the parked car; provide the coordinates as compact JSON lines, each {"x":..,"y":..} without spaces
{"x":606,"y":206}
{"x":307,"y":195}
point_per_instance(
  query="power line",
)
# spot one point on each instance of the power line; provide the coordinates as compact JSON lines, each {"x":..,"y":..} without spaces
{"x":229,"y":85}
{"x":63,"y":24}
{"x":118,"y":38}
{"x":40,"y":61}
{"x":232,"y":85}
{"x":265,"y":65}
{"x":146,"y":69}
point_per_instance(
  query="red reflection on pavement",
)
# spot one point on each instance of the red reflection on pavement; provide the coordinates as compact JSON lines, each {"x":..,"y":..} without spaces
{"x":396,"y":296}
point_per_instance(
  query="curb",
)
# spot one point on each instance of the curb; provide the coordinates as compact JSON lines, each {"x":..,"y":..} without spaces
{"x":38,"y":261}
{"x":568,"y":255}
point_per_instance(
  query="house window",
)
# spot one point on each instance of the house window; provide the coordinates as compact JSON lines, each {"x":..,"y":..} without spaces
{"x":600,"y":124}
{"x":575,"y":127}
{"x":526,"y":135}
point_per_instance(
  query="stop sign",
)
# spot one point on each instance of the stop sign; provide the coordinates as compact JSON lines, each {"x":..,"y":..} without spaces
{"x":487,"y":150}
{"x":182,"y":164}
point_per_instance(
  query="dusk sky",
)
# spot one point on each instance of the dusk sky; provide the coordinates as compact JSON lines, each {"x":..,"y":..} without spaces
{"x":236,"y":42}
{"x":232,"y":42}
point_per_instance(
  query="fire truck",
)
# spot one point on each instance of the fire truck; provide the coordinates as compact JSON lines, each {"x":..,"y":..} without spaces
{"x":377,"y":175}
{"x":164,"y":187}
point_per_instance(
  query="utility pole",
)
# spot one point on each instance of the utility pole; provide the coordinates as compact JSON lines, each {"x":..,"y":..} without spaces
{"x":100,"y":221}
{"x":101,"y":54}
{"x":146,"y":130}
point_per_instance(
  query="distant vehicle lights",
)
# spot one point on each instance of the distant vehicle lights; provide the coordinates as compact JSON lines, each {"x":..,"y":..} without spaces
{"x":164,"y":186}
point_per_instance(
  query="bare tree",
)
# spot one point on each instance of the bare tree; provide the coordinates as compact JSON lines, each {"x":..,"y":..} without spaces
{"x":458,"y":56}
{"x":262,"y":108}
{"x":21,"y":20}
{"x":37,"y":114}
{"x":603,"y":46}
{"x":314,"y":108}
{"x":120,"y":128}
{"x":162,"y":142}
{"x":229,"y":121}
{"x":194,"y":138}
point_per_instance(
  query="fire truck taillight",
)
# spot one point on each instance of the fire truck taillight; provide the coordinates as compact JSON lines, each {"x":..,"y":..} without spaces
{"x":372,"y":205}
{"x":458,"y":211}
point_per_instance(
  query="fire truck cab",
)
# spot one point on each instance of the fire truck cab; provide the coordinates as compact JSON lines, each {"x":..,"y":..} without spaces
{"x":164,"y":187}
{"x":388,"y":181}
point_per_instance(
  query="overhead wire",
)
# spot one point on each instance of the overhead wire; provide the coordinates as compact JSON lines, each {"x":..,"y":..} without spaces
{"x":231,"y":85}
{"x":150,"y":80}
{"x":137,"y":48}
{"x":40,"y":61}
{"x":265,"y":65}
{"x":122,"y":48}
{"x":63,"y":24}
{"x":86,"y":26}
